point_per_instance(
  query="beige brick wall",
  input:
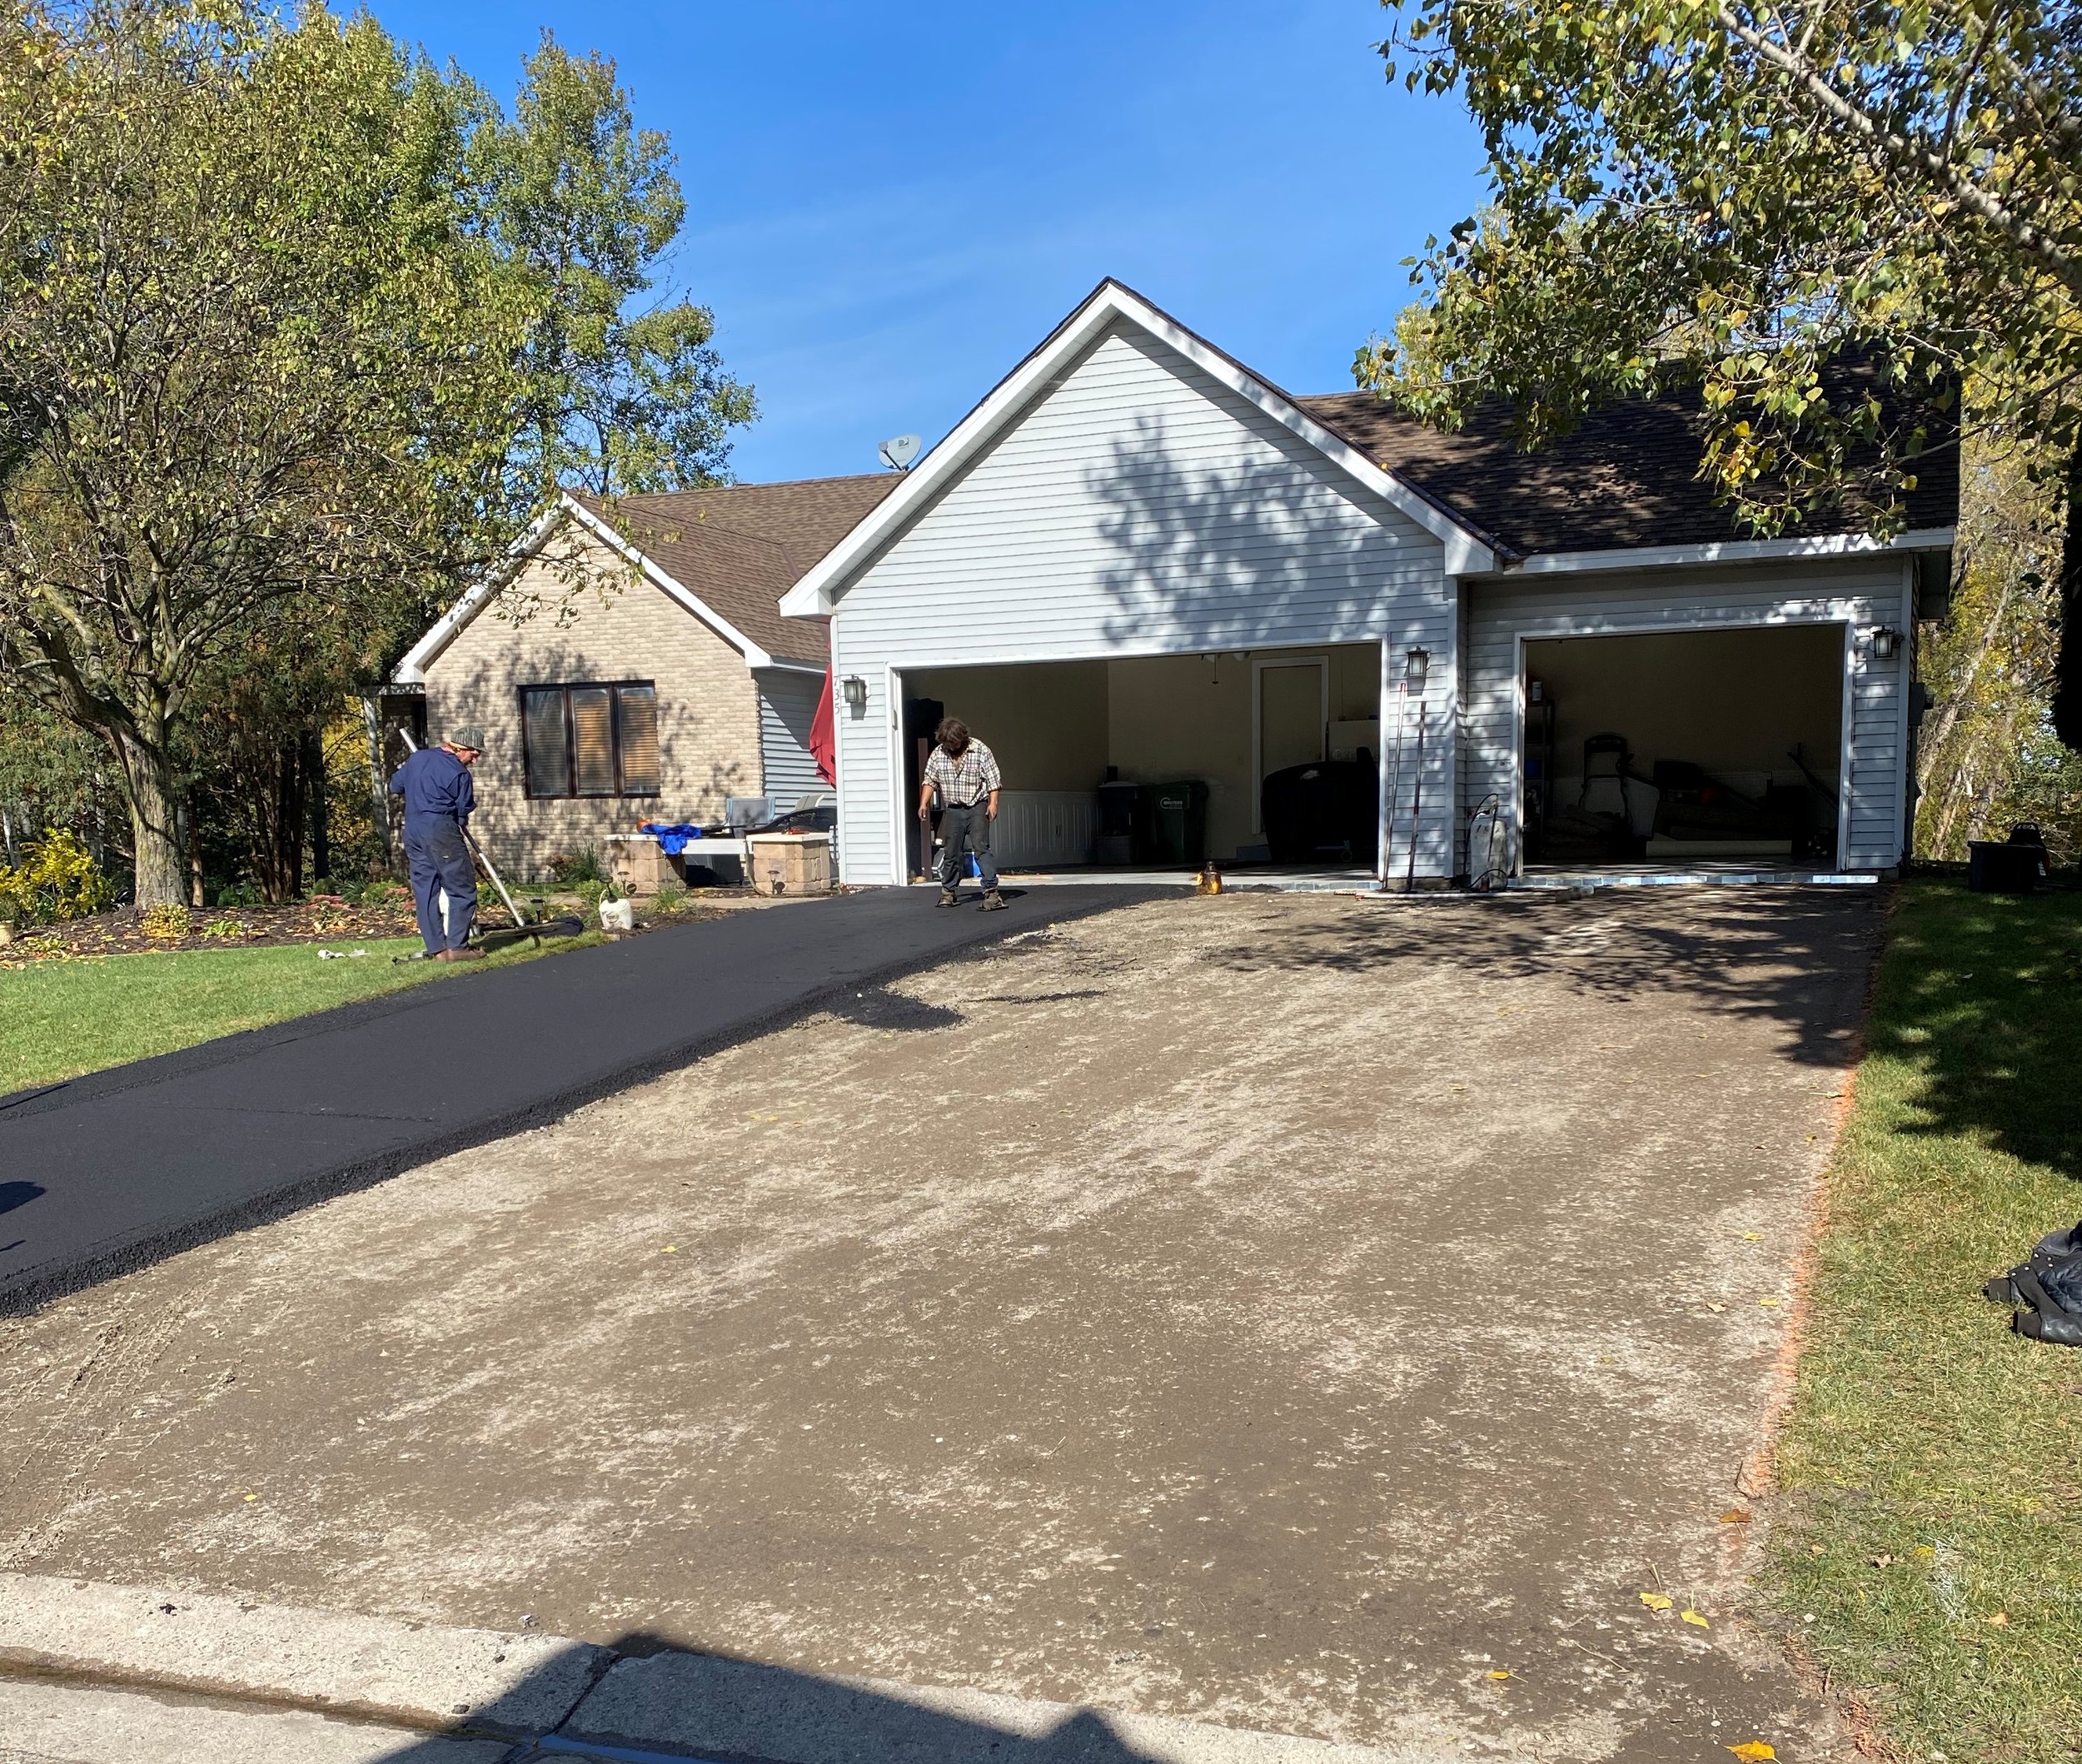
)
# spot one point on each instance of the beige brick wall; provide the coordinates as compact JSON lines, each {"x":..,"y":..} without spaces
{"x":626,"y":629}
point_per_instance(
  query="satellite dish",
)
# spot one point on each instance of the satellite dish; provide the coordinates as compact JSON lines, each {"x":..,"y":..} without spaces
{"x":899,"y":450}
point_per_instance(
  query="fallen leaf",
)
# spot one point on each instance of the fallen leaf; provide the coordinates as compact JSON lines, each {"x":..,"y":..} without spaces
{"x":1753,"y":1237}
{"x":1753,"y":1751}
{"x":1712,"y":1306}
{"x":1881,"y":1562}
{"x":1500,"y":1676}
{"x":1817,"y":1549}
{"x":1657,"y":1600}
{"x":671,"y":1249}
{"x":252,"y":1498}
{"x":1693,"y":1618}
{"x":1769,"y":1304}
{"x":1734,"y":1515}
{"x":1923,"y":1552}
{"x":2000,"y":1619}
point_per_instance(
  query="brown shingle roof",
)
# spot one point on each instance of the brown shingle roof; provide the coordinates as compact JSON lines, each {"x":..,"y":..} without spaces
{"x":738,"y":548}
{"x":1628,"y":476}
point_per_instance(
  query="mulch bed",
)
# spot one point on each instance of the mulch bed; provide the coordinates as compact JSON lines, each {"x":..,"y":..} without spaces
{"x":123,"y":932}
{"x":322,"y":920}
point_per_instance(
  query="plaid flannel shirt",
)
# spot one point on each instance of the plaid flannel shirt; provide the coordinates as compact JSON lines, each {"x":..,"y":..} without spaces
{"x":966,"y":780}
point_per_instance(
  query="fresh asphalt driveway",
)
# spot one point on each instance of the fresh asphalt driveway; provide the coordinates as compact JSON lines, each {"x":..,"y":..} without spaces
{"x":108,"y":1171}
{"x":1308,"y":1314}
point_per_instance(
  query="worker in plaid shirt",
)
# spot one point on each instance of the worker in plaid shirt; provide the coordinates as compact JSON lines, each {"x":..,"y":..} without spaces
{"x":964,"y":773}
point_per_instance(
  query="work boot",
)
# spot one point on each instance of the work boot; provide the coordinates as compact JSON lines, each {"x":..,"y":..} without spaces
{"x":947,"y":897}
{"x":994,"y":902}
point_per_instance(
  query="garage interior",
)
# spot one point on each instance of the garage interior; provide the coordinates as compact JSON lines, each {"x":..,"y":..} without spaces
{"x":1161,"y":762}
{"x":1684,"y":749}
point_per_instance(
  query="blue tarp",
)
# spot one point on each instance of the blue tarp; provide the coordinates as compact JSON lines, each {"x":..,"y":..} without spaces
{"x":673,"y":839}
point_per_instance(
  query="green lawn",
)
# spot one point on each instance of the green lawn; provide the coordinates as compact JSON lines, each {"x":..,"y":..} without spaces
{"x":1928,"y":1549}
{"x":59,"y":1019}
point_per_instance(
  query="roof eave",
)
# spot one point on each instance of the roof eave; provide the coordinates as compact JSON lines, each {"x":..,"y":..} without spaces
{"x":1815,"y":546}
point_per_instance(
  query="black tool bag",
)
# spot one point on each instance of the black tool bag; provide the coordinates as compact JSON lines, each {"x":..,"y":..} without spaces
{"x":2049,"y":1288}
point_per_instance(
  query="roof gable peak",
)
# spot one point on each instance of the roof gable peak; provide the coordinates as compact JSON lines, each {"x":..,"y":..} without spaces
{"x":1467,"y":550}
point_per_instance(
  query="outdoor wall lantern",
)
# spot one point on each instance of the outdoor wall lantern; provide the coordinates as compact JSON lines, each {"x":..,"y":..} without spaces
{"x":856,"y":691}
{"x":1885,"y":642}
{"x":1417,"y":664}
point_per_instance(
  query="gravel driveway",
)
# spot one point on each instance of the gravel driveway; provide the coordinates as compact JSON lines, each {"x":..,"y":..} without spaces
{"x":1305,"y":1313}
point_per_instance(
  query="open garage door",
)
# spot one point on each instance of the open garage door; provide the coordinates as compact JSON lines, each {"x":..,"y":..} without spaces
{"x":1685,"y":749}
{"x":1156,"y":763}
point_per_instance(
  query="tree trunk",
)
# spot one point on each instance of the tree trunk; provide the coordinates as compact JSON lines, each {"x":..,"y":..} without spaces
{"x":159,"y":863}
{"x":282,"y":864}
{"x":378,"y":788}
{"x":314,"y":753}
{"x":2067,"y":670}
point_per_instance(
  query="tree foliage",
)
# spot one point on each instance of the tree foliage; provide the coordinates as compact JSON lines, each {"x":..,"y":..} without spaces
{"x":584,"y":205}
{"x":1765,"y":195}
{"x":251,"y":360}
{"x":297,"y":333}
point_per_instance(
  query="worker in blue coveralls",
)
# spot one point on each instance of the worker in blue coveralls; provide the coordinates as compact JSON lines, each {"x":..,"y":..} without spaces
{"x":435,"y":785}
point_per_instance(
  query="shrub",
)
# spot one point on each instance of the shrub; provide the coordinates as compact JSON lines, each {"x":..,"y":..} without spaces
{"x":237,"y":894}
{"x":58,"y":878}
{"x":572,"y":867}
{"x":591,"y":891}
{"x":221,"y":928}
{"x":669,"y":899}
{"x":169,"y":920}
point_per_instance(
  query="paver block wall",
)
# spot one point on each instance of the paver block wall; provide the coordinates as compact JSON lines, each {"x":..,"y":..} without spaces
{"x":614,"y":627}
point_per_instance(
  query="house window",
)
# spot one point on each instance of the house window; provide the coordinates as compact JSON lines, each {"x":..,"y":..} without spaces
{"x":592,"y":740}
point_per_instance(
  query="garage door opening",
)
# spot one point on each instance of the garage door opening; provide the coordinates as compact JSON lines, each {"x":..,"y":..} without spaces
{"x":1685,"y":749}
{"x":1265,"y":760}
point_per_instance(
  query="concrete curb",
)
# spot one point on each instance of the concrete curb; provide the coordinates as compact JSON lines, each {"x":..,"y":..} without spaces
{"x":517,"y":1686}
{"x":572,"y":1699}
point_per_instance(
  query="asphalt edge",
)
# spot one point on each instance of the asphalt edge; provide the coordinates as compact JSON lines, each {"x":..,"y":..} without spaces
{"x":32,"y":1292}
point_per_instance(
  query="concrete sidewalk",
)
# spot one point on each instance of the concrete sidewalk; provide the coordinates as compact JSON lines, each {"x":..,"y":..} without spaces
{"x":92,"y":1674}
{"x":143,"y":1159}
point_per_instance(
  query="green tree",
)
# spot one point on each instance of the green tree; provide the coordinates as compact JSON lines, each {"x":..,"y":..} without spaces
{"x":1800,"y":206}
{"x":252,"y":364}
{"x":621,"y":397}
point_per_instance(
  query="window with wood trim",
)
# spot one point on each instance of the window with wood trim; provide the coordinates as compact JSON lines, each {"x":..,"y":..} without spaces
{"x":592,"y":740}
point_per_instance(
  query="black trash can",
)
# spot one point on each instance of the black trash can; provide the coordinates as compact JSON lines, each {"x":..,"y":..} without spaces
{"x":1328,"y":808}
{"x":1993,"y":869}
{"x":1172,"y":826}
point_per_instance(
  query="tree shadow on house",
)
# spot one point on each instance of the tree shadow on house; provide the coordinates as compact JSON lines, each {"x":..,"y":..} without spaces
{"x":1269,"y":547}
{"x":1248,"y":553}
{"x":658,"y":1700}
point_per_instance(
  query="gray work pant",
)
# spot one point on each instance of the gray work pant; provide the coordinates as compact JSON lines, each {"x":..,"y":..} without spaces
{"x":972,"y":823}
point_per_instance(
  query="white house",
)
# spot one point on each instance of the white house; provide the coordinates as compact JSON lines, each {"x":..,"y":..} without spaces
{"x":1137,"y":559}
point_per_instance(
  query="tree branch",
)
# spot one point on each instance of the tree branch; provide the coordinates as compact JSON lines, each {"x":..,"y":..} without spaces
{"x":2031,"y":240}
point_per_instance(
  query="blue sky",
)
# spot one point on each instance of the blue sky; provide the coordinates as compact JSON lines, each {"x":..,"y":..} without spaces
{"x":889,"y":203}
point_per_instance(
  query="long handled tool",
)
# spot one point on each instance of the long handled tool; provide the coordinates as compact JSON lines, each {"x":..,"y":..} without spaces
{"x":523,"y":926}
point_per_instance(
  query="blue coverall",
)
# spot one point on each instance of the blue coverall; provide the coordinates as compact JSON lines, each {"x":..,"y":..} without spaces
{"x":438,"y":799}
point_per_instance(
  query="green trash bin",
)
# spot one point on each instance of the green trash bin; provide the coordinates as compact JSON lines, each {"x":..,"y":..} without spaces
{"x":1172,"y":823}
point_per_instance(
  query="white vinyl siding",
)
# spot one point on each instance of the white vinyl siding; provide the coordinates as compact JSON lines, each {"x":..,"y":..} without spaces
{"x":787,"y":705}
{"x":1859,"y":595}
{"x":1137,"y":507}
